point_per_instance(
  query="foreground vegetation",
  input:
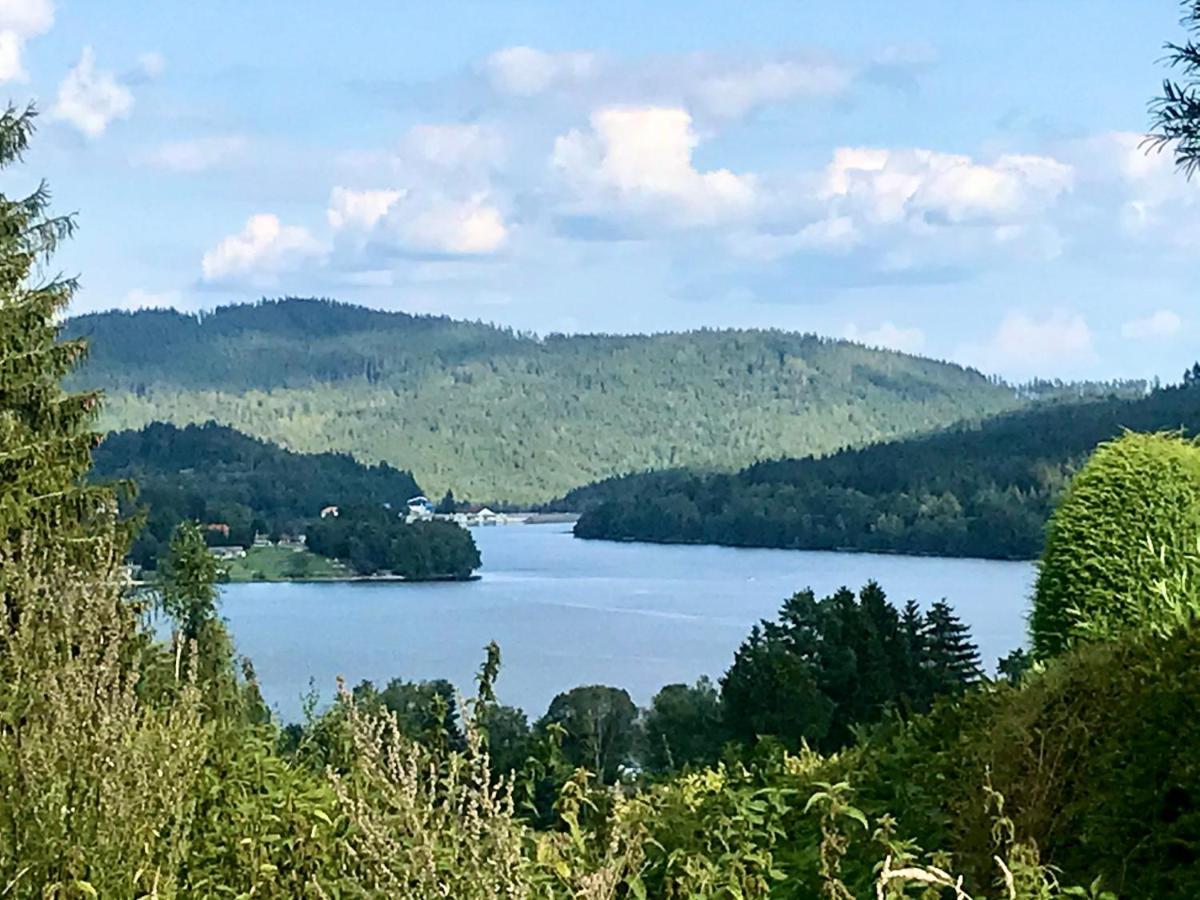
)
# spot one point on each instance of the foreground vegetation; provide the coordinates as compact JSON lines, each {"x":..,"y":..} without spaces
{"x":896,"y":497}
{"x":508,"y":418}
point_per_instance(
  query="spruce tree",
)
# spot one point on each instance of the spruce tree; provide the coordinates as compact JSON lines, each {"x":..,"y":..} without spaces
{"x":46,"y":436}
{"x":951,"y":659}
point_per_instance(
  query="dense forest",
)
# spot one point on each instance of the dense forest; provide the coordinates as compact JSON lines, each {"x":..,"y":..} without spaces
{"x":979,"y":489}
{"x":503,"y":417}
{"x":214,"y":475}
{"x":372,"y":539}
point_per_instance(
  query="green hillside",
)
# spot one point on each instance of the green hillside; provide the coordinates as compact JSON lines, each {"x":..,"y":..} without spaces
{"x":984,"y":489}
{"x":500,"y":416}
{"x":213,"y":474}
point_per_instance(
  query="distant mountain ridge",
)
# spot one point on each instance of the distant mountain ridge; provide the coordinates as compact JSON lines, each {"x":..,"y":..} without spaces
{"x":501,"y":416}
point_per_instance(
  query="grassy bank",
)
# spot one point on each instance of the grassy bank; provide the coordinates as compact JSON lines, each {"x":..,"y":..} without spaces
{"x":283,"y":564}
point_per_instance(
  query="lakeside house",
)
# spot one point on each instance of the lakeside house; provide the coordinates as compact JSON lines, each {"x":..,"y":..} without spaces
{"x":420,"y":509}
{"x":232,"y":552}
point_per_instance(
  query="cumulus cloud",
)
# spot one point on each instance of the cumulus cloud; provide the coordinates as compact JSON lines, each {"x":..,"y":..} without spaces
{"x":1057,"y":343}
{"x":890,"y":185}
{"x":264,"y":249}
{"x":359,"y":209}
{"x":419,"y":222}
{"x":643,"y":156}
{"x":1163,"y":323}
{"x":889,"y":336}
{"x":19,"y":21}
{"x":90,"y":99}
{"x":471,"y":227}
{"x":196,"y":154}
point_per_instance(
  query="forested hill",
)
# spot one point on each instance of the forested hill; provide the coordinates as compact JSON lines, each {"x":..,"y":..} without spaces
{"x":500,"y":416}
{"x":213,"y":474}
{"x":985,"y":490}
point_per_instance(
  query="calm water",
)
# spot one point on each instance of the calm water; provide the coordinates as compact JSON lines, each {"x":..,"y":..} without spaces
{"x":568,"y":612}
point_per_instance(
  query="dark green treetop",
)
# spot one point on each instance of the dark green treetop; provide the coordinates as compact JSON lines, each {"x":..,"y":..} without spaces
{"x":45,"y":432}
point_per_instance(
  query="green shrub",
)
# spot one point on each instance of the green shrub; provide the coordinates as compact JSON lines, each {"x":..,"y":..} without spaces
{"x":1128,"y":524}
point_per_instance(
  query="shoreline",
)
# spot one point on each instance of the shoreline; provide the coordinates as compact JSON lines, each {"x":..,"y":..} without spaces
{"x":347,"y":579}
{"x":669,"y":542}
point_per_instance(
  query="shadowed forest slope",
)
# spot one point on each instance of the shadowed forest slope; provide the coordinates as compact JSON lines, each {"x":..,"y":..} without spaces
{"x":982,"y":489}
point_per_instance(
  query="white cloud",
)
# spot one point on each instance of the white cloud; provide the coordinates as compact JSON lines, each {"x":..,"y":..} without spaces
{"x":525,"y":71}
{"x":471,"y":227}
{"x":19,"y":21}
{"x":1163,"y":323}
{"x":359,"y":209}
{"x":888,"y":335}
{"x":260,"y":252}
{"x":420,"y":221}
{"x":836,"y":234}
{"x":891,"y":185}
{"x":643,"y":156}
{"x":197,"y":154}
{"x":1023,"y":346}
{"x":708,"y":85}
{"x":738,"y":90}
{"x":91,"y":99}
{"x":27,"y":17}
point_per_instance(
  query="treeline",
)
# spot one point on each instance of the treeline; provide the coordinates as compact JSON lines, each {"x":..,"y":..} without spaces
{"x":372,"y":539}
{"x":506,"y":418}
{"x":214,"y":475}
{"x":816,"y":675}
{"x":984,"y":489}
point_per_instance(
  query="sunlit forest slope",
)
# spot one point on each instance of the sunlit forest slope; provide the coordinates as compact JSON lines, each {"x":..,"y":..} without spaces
{"x":501,"y":416}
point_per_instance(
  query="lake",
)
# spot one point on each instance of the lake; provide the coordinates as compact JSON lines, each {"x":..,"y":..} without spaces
{"x":567,"y":612}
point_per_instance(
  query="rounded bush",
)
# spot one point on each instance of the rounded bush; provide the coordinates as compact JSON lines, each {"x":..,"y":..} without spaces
{"x":1121,"y":546}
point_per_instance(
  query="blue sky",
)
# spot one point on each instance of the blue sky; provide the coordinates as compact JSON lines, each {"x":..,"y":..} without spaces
{"x":956,"y":179}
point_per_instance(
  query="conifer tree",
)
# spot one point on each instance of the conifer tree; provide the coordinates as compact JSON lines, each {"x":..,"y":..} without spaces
{"x":951,"y":659}
{"x":46,"y":436}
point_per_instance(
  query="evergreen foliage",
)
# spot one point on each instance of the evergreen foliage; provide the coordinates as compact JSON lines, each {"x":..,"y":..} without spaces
{"x":1129,"y":521}
{"x":508,"y":418}
{"x":903,"y":496}
{"x":373,"y":540}
{"x":45,"y":431}
{"x":214,"y":475}
{"x":827,"y":667}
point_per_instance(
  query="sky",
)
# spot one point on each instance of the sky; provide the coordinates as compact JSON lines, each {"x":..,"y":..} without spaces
{"x":957,"y":179}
